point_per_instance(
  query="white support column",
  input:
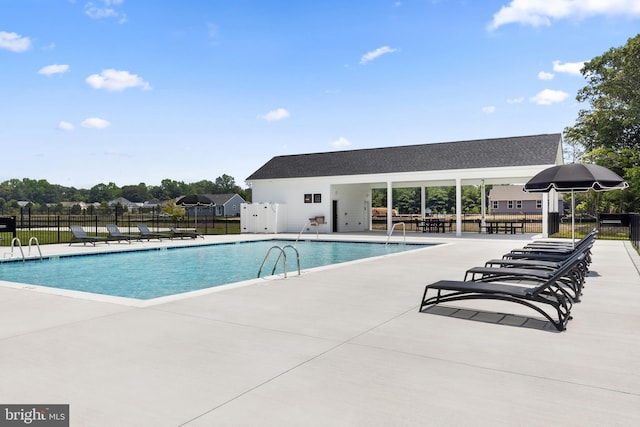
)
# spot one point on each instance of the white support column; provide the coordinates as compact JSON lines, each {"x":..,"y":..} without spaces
{"x":553,"y":201}
{"x":483,"y":206}
{"x":369,"y":210}
{"x":423,"y":202}
{"x":389,"y":207}
{"x":458,"y":207}
{"x":545,"y":215}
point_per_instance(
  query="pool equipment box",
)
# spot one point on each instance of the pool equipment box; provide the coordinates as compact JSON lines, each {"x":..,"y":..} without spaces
{"x":263,"y":217}
{"x":7,"y":224}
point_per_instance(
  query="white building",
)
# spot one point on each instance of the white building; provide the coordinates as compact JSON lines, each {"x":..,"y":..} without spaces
{"x":337,"y":185}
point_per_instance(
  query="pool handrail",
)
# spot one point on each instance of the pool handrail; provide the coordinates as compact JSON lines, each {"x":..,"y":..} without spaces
{"x":282,"y":255}
{"x":309,"y":223}
{"x":404,"y":232}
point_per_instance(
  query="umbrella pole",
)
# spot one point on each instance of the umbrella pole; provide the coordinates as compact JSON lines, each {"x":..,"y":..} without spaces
{"x":573,"y":221}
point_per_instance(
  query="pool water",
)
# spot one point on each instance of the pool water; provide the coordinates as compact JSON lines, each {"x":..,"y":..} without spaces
{"x":147,"y":274}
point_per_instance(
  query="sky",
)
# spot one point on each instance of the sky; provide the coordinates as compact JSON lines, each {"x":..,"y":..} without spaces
{"x":137,"y":91}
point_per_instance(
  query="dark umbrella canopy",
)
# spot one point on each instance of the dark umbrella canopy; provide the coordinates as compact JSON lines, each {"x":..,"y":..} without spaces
{"x":195,"y":200}
{"x":575,"y":177}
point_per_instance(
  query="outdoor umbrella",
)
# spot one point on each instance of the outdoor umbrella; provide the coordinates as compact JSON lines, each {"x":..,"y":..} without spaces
{"x":575,"y":177}
{"x":195,"y":200}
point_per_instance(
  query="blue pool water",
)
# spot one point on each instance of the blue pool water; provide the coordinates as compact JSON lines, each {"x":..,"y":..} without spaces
{"x":147,"y":274}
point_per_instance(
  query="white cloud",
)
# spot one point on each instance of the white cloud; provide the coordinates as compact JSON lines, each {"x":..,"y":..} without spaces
{"x":542,"y":12}
{"x":115,"y":80}
{"x":543,"y":75}
{"x":275,"y":115}
{"x":95,"y":123}
{"x":66,"y":126}
{"x":489,"y":109}
{"x":370,"y":56}
{"x":213,"y":30}
{"x":54,"y":69}
{"x":549,"y":96}
{"x":340,"y":142}
{"x":105,"y":9}
{"x":14,"y":42}
{"x":515,"y":100}
{"x":572,"y":68}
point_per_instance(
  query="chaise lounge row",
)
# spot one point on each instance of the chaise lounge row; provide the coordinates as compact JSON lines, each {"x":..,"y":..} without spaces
{"x":79,"y":235}
{"x":545,"y":276}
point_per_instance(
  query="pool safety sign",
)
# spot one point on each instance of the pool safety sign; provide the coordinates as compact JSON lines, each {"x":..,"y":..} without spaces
{"x":34,"y":415}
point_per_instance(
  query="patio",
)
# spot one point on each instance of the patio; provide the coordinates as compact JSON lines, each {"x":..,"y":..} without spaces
{"x":339,"y":346}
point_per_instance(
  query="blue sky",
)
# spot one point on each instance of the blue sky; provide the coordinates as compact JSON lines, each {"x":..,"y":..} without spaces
{"x":131,"y":91}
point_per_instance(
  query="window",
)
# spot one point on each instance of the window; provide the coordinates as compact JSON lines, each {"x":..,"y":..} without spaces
{"x":510,"y":204}
{"x":307,"y":198}
{"x":539,"y":204}
{"x":518,"y":204}
{"x":495,"y":204}
{"x":317,"y":198}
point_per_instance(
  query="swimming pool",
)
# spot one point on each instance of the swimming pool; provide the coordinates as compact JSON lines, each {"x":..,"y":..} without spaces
{"x":148,"y":274}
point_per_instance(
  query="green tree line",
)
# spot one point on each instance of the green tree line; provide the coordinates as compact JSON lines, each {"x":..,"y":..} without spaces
{"x":607,"y":131}
{"x":439,"y":199}
{"x":41,"y":192}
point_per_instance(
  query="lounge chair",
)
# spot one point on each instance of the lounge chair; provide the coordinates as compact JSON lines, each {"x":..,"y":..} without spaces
{"x":116,"y":235}
{"x":534,"y":271}
{"x":555,"y":253}
{"x":145,"y":233}
{"x":81,"y":236}
{"x":534,"y":295}
{"x":184,"y":233}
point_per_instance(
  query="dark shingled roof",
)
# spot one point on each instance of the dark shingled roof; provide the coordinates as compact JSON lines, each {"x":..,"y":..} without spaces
{"x":482,"y":153}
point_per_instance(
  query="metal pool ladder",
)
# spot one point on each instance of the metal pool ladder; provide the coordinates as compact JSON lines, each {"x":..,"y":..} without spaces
{"x":16,"y":240}
{"x":31,"y":240}
{"x":282,"y":255}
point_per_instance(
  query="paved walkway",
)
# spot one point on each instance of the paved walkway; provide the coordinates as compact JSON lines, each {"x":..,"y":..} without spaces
{"x":342,"y":346}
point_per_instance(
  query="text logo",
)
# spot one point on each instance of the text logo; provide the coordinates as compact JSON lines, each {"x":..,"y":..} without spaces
{"x":34,"y":415}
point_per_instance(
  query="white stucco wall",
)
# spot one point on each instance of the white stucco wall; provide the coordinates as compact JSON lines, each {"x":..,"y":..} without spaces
{"x":292,"y":194}
{"x":354,"y":206}
{"x":353,"y":203}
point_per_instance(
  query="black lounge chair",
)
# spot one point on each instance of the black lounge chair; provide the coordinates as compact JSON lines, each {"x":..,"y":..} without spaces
{"x":145,"y":233}
{"x":116,"y":235}
{"x":590,"y":236}
{"x":184,"y":233}
{"x":534,"y":271}
{"x":534,"y":294}
{"x":558,"y":253}
{"x":81,"y":236}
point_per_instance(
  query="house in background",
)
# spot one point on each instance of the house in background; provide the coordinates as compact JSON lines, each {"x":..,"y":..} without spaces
{"x":125,"y":203}
{"x":223,"y":205}
{"x":226,"y":204}
{"x":512,"y":199}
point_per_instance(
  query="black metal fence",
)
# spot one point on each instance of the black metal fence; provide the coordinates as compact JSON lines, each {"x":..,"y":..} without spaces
{"x":610,"y":226}
{"x":55,"y":228}
{"x":634,"y":224}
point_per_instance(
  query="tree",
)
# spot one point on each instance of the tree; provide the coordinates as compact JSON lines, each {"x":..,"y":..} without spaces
{"x":225,"y":184}
{"x":103,"y":192}
{"x":610,"y":128}
{"x":174,"y":211}
{"x":135,"y":193}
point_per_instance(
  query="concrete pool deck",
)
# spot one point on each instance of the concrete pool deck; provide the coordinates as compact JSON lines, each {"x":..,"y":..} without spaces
{"x":342,"y":346}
